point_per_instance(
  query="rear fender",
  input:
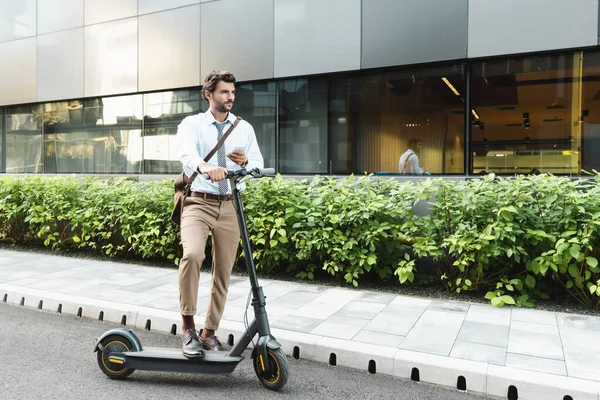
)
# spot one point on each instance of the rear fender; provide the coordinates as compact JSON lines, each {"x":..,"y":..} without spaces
{"x":126,"y":333}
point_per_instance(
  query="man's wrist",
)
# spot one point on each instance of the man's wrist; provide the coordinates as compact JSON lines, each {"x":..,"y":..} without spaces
{"x":245,"y":163}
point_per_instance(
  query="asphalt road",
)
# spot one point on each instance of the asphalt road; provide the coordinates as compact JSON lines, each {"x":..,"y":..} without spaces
{"x":50,"y":356}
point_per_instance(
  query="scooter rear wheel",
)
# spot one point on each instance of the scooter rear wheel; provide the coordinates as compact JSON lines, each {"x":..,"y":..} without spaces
{"x":276,"y":372}
{"x":114,"y":344}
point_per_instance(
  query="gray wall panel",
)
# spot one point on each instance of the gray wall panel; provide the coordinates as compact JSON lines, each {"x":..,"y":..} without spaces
{"x":60,"y":65}
{"x":18,"y":71}
{"x":316,"y":36}
{"x":58,"y":15}
{"x":516,"y":26}
{"x":400,"y":32}
{"x":241,"y":42}
{"x":150,"y":6}
{"x":169,"y":49}
{"x":111,"y":58}
{"x":97,"y":11}
{"x":17,"y":19}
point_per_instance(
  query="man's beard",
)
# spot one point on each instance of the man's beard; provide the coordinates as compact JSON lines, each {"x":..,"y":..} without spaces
{"x":220,"y":107}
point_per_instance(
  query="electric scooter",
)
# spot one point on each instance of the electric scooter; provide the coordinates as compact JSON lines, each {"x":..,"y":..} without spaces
{"x":120,"y":352}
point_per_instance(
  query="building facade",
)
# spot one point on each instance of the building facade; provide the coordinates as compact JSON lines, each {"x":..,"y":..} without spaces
{"x":330,"y":86}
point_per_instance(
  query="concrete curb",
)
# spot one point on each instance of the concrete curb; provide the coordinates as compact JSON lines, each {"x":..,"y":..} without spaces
{"x":469,"y":376}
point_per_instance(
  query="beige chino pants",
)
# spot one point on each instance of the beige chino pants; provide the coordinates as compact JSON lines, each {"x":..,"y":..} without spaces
{"x":200,"y":217}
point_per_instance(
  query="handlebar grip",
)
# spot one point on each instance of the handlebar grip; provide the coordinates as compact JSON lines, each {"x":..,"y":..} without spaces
{"x":266,"y":171}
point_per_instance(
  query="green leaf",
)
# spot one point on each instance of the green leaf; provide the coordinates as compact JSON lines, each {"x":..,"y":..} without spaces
{"x":569,"y":284}
{"x":76,"y":239}
{"x":530,"y":281}
{"x":507,"y":299}
{"x":575,"y":250}
{"x":497,"y":302}
{"x":573,"y":271}
{"x":592,"y":262}
{"x":490,"y":295}
{"x":592,"y":289}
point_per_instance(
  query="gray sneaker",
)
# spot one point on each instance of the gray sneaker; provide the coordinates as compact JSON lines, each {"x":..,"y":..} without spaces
{"x":192,"y":348}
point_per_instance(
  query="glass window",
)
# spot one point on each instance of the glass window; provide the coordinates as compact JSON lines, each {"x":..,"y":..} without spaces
{"x":257,"y":104}
{"x":163,"y":112}
{"x":590,"y":111}
{"x":527,"y":115}
{"x":97,"y":135}
{"x":409,"y":121}
{"x":303,"y":119}
{"x":23,"y":139}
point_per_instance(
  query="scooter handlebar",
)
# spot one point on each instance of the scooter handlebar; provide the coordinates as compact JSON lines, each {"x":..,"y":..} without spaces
{"x":254,"y":172}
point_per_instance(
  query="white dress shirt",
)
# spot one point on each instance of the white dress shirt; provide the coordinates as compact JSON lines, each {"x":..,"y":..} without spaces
{"x":197,"y":136}
{"x":410,"y":165}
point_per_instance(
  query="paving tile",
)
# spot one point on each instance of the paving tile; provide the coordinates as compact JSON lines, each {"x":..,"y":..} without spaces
{"x":580,"y":339}
{"x":535,"y":344}
{"x":382,"y":298}
{"x":435,"y":332}
{"x":489,"y":315}
{"x":360,"y":309}
{"x":452,"y":306}
{"x":400,"y":303}
{"x":579,"y":321}
{"x":582,"y":364}
{"x":163,"y":303}
{"x":483,"y":333}
{"x":479,"y":352}
{"x":295,"y":323}
{"x":340,"y":327}
{"x":532,"y":327}
{"x":395,"y":324}
{"x":295,"y":299}
{"x":556,"y":367}
{"x":534,"y":316}
{"x":378,"y":338}
{"x":327,"y":304}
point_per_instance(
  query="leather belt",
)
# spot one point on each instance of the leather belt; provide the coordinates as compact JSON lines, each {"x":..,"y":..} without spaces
{"x":210,"y":196}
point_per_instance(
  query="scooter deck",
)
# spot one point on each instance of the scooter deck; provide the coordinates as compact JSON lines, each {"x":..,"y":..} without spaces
{"x":171,"y":359}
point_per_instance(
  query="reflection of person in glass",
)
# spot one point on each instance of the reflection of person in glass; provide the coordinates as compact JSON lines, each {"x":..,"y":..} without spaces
{"x":409,"y":161}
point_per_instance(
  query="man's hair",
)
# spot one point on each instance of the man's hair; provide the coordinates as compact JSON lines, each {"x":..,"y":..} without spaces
{"x":212,"y":80}
{"x":412,"y":143}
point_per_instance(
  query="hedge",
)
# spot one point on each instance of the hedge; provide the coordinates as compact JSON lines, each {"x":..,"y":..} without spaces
{"x":516,"y":239}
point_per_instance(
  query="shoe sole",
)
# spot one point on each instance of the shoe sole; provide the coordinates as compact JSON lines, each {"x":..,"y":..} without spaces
{"x":195,"y":355}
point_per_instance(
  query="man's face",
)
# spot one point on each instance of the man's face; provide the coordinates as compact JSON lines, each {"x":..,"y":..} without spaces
{"x":223,"y":97}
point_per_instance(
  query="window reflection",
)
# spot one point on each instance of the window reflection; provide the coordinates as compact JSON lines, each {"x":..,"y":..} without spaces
{"x":303,"y":125}
{"x":23,"y":139}
{"x":590,"y":112}
{"x":529,"y":110}
{"x":257,"y":104}
{"x":101,"y":135}
{"x":374,"y":119}
{"x":162,"y":114}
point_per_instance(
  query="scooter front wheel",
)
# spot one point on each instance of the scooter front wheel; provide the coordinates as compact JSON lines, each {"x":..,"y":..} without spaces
{"x":114,"y":369}
{"x":274,"y":373}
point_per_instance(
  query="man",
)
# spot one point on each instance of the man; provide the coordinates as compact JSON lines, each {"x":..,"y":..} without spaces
{"x":209,"y":207}
{"x":409,"y":161}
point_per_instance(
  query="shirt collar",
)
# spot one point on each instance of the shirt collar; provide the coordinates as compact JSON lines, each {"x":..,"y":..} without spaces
{"x":210,"y":118}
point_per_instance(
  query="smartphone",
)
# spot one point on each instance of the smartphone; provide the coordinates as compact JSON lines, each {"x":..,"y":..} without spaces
{"x":238,"y":148}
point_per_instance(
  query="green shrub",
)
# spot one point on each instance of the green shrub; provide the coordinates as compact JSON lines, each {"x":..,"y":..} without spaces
{"x":516,"y":239}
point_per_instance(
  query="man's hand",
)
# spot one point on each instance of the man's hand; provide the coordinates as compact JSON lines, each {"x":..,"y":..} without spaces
{"x":238,"y":157}
{"x":216,"y":173}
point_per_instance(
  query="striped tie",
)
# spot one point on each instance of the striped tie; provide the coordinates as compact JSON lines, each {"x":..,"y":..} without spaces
{"x":223,"y":189}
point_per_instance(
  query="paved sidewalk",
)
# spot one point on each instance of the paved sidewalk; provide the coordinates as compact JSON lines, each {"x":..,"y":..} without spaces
{"x":544,"y":355}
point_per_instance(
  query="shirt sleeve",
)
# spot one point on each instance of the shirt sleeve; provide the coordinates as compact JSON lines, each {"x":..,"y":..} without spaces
{"x":187,"y":146}
{"x":255,"y":158}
